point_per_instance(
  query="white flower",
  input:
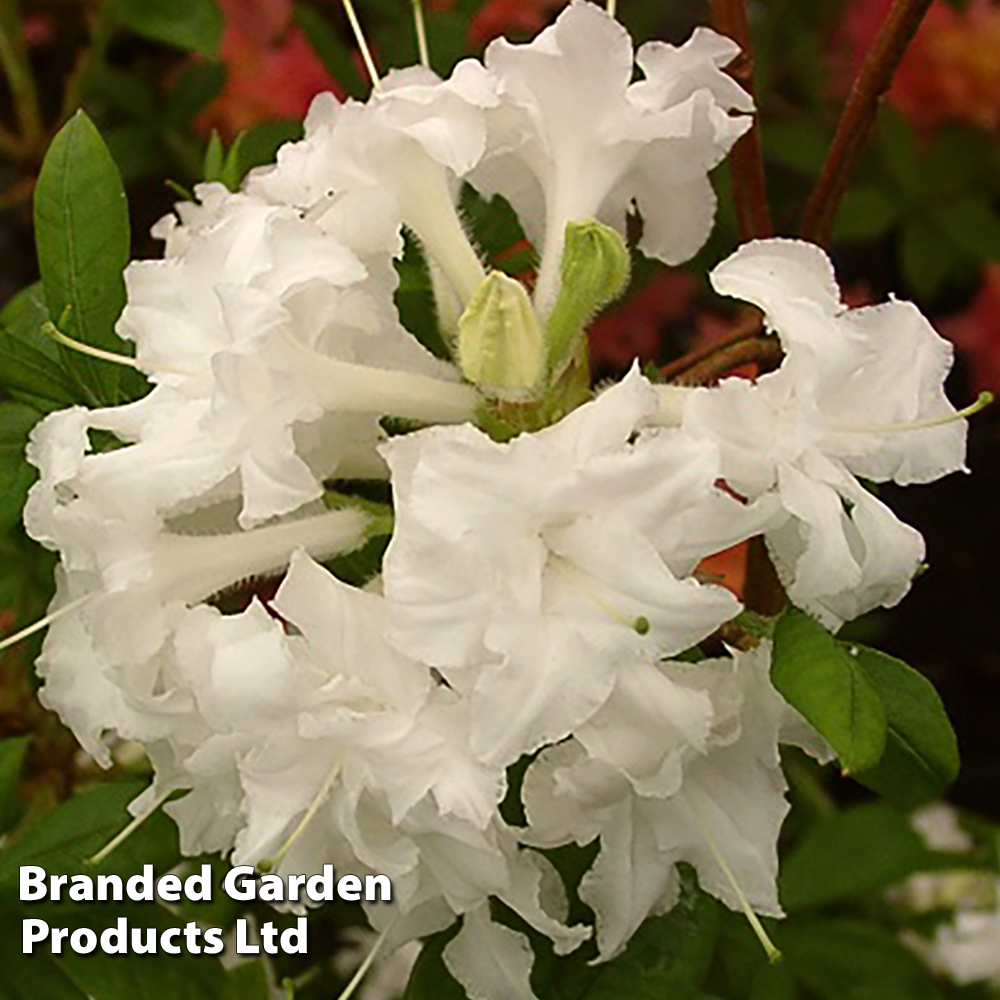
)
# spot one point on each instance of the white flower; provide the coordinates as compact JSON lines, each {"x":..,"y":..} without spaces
{"x":716,"y":802}
{"x":272,"y":340}
{"x":573,"y":138}
{"x":859,"y":394}
{"x":526,"y":571}
{"x":366,"y":169}
{"x":968,"y":948}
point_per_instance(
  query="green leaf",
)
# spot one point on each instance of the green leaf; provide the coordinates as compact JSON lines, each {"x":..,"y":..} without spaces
{"x":256,"y":147}
{"x":971,"y":225}
{"x":865,"y":214}
{"x":214,"y":158}
{"x":31,"y":977}
{"x":925,"y":258}
{"x":127,"y":977}
{"x":668,"y":956}
{"x":195,"y":25}
{"x":818,"y":676}
{"x":81,"y":826}
{"x":330,"y":48}
{"x":31,"y":370}
{"x":849,"y":854}
{"x":12,"y":751}
{"x":193,"y":87}
{"x":16,"y":475}
{"x":849,"y":960}
{"x":430,"y":978}
{"x":82,"y":231}
{"x":921,"y":755}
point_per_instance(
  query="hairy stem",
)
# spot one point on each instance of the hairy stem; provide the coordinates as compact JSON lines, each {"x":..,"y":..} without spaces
{"x":870,"y":86}
{"x":746,"y":162}
{"x":762,"y":350}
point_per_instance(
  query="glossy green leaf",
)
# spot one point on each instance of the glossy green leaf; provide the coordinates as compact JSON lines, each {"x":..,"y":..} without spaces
{"x":851,"y":853}
{"x":81,"y":826}
{"x":195,"y":25}
{"x":12,"y":751}
{"x":82,"y":232}
{"x":31,"y":370}
{"x":818,"y":676}
{"x":850,"y":960}
{"x":31,"y":977}
{"x":16,"y":475}
{"x":921,"y":755}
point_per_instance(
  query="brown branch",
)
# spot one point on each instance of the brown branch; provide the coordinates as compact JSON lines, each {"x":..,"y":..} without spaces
{"x":746,"y":161}
{"x":870,"y":86}
{"x":747,"y":325}
{"x":761,"y":350}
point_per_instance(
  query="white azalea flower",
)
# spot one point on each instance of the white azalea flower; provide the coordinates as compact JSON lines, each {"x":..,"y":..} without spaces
{"x":721,"y":809}
{"x":366,"y":169}
{"x":859,"y":394}
{"x":573,"y":138}
{"x":526,"y":571}
{"x":269,"y":327}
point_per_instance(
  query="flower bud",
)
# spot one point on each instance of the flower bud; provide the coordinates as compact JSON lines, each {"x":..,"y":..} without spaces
{"x":500,"y":345}
{"x":595,"y":271}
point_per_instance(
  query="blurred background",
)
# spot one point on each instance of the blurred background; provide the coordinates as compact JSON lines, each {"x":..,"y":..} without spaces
{"x":189,"y":89}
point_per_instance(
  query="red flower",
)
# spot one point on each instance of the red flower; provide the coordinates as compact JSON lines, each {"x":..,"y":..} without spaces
{"x":951,"y":71}
{"x":271,"y":70}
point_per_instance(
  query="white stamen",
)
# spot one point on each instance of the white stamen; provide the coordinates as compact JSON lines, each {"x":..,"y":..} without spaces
{"x":773,"y":954}
{"x":96,"y":352}
{"x":367,"y":963}
{"x":418,"y":20}
{"x":269,"y":864}
{"x":127,"y":832}
{"x":984,"y":400}
{"x":366,"y":55}
{"x":13,"y":640}
{"x":612,"y":8}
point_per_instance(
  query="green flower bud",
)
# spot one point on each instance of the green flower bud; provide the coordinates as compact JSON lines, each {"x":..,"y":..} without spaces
{"x":500,"y":346}
{"x":595,"y":271}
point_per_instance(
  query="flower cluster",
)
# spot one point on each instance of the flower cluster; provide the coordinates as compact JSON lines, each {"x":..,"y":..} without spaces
{"x":538,"y":601}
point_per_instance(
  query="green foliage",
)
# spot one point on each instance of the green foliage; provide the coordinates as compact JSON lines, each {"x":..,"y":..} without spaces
{"x":830,"y":688}
{"x":331,"y":49}
{"x":31,"y":369}
{"x":16,"y":475}
{"x":921,"y":754}
{"x":195,"y":25}
{"x":668,"y":956}
{"x":12,"y":751}
{"x":81,"y":826}
{"x":850,"y":854}
{"x":82,"y":232}
{"x":839,"y":959}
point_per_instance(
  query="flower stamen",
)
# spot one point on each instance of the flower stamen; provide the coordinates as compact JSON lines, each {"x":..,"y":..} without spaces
{"x":49,"y":328}
{"x":772,"y":952}
{"x":984,"y":400}
{"x":359,"y":35}
{"x":367,"y":963}
{"x":265,"y":865}
{"x":119,"y":838}
{"x":42,"y":623}
{"x":421,"y":28}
